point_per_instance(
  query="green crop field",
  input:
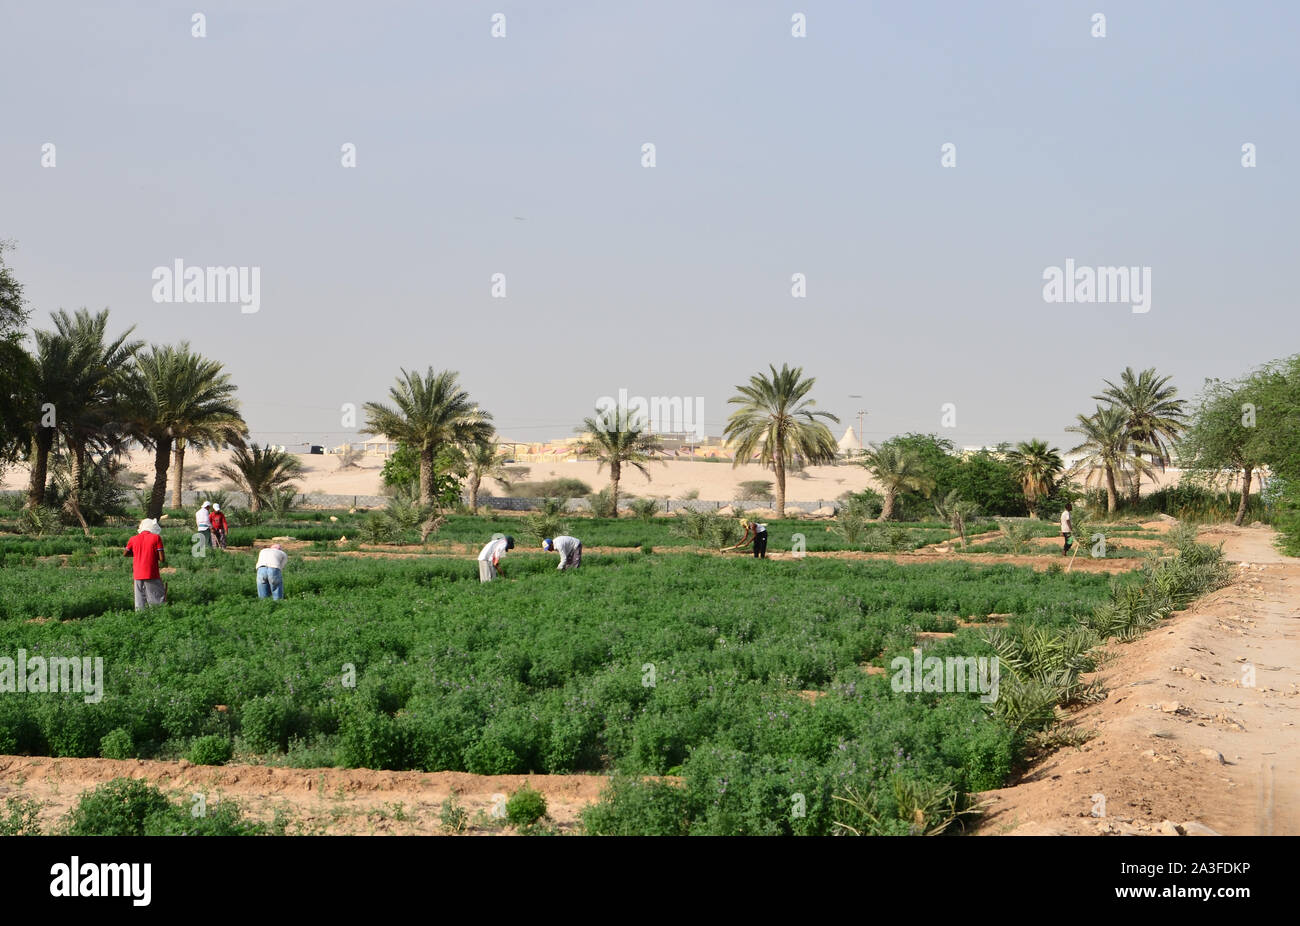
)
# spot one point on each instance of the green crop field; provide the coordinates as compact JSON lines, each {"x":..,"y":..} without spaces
{"x":745,"y":679}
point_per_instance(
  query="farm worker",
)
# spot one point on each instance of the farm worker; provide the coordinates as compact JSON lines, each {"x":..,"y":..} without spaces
{"x":146,"y":551}
{"x":489,"y":558}
{"x":758,"y":532}
{"x":1067,"y":527}
{"x":204,"y":520}
{"x":569,"y":548}
{"x":219,"y":525}
{"x":270,"y":572}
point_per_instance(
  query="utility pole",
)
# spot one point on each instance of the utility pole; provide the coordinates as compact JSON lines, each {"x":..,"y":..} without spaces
{"x":861,"y":414}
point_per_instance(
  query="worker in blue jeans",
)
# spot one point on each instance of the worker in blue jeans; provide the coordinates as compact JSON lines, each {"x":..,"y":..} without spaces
{"x":270,"y":572}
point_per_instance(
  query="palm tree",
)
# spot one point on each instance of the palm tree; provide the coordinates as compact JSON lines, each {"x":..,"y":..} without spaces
{"x":205,"y":413}
{"x":1153,"y":416}
{"x":261,"y":472}
{"x":88,"y":408}
{"x":432,"y":412}
{"x":53,"y":369}
{"x":775,"y":420}
{"x":177,"y":397}
{"x":482,"y":462}
{"x":897,"y":469}
{"x":1110,"y":452}
{"x":1037,"y":466}
{"x":956,"y":511}
{"x":616,"y":438}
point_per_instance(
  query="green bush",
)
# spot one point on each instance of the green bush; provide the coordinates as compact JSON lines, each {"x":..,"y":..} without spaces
{"x":263,"y":724}
{"x":644,"y":508}
{"x":121,"y":807}
{"x":638,"y":808}
{"x":602,"y":503}
{"x":21,"y":817}
{"x":526,"y":807}
{"x":117,"y":744}
{"x":210,"y":750}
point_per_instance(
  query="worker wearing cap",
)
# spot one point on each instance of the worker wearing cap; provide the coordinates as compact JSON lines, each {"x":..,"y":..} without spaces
{"x":569,"y":548}
{"x":219,"y":526}
{"x":146,"y":550}
{"x":489,"y":558}
{"x":204,"y":520}
{"x":270,"y":572}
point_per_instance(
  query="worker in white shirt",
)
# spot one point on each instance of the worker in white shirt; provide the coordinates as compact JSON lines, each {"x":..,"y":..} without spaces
{"x":758,"y":533}
{"x":204,"y":520}
{"x":1067,"y":527}
{"x":489,"y":558}
{"x":569,"y":548}
{"x":270,"y":572}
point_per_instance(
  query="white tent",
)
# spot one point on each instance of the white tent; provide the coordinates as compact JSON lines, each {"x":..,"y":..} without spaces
{"x":849,"y":442}
{"x":380,"y":444}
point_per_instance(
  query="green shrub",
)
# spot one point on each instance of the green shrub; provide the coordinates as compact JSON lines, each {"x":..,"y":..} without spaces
{"x":117,"y":744}
{"x":638,"y":808}
{"x":644,"y":508}
{"x":21,"y":817}
{"x":602,"y":504}
{"x":210,"y":750}
{"x":263,"y":724}
{"x":39,"y":521}
{"x":453,"y":817}
{"x":526,"y":807}
{"x":121,"y":807}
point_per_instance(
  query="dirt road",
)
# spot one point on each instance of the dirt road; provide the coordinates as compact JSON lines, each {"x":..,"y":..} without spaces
{"x":1201,"y":724}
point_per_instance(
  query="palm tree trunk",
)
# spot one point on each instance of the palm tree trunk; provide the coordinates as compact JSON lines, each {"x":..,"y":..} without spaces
{"x":1112,"y":497}
{"x":426,"y":475}
{"x":887,"y":509}
{"x":161,"y":458}
{"x":615,"y":473}
{"x":1245,"y":495}
{"x":78,"y":477}
{"x":41,"y":444}
{"x":178,"y":474}
{"x":780,"y":485}
{"x":473,"y":493}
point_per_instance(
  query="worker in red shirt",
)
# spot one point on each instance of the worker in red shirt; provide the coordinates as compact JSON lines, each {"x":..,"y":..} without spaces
{"x":146,"y":550}
{"x":219,"y":526}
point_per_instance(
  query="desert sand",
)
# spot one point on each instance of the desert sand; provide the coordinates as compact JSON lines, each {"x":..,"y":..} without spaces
{"x":673,"y":479}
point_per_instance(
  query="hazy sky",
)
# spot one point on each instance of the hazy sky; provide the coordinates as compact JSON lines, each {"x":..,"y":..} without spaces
{"x":775,"y":155}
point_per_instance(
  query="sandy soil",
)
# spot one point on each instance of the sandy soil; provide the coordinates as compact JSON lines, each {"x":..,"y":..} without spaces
{"x":1183,"y":736}
{"x":672,"y":479}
